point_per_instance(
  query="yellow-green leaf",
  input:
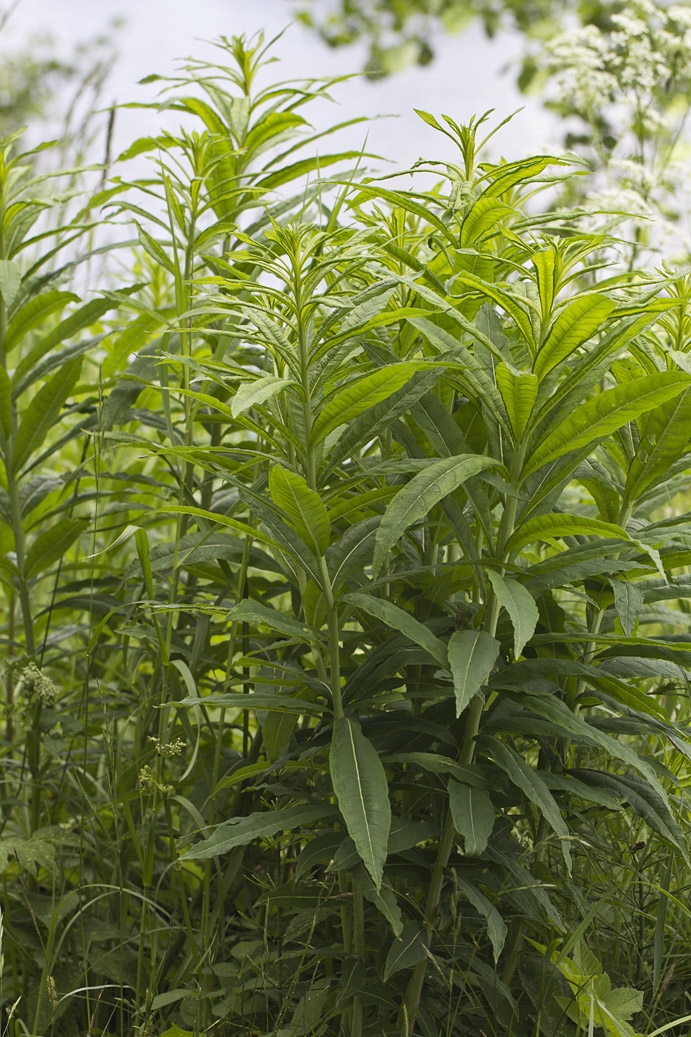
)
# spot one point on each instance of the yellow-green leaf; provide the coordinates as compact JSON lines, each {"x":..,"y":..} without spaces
{"x":303,"y":506}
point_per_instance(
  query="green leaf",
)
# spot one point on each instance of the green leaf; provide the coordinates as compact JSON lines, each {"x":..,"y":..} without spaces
{"x":303,"y":506}
{"x":416,"y":499}
{"x":470,"y":774}
{"x":496,"y":927}
{"x":43,"y":411}
{"x":407,"y":951}
{"x":548,"y":527}
{"x":253,"y":700}
{"x":250,"y":394}
{"x":666,"y":438}
{"x":472,"y":655}
{"x":362,"y":394}
{"x":400,"y":620}
{"x":483,"y":216}
{"x":604,"y":413}
{"x":250,"y":611}
{"x":576,"y":323}
{"x":533,"y":787}
{"x":10,"y":280}
{"x":52,"y":544}
{"x":628,"y":601}
{"x":473,"y":816}
{"x":360,"y":785}
{"x":520,"y":605}
{"x":519,"y":392}
{"x":384,"y":899}
{"x":261,"y":825}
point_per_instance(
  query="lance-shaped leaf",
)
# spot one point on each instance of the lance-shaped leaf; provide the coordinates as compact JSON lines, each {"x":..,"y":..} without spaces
{"x":400,"y":620}
{"x":303,"y":506}
{"x":576,"y":323}
{"x":666,"y":438}
{"x":10,"y":280}
{"x":43,"y":411}
{"x":628,"y":601}
{"x":407,"y":951}
{"x":250,"y":394}
{"x":519,"y":391}
{"x":482,"y":218}
{"x":359,"y":396}
{"x":548,"y":527}
{"x":34,"y":312}
{"x":51,"y":544}
{"x":496,"y":926}
{"x":250,"y":611}
{"x":473,"y":815}
{"x":520,"y":605}
{"x":533,"y":787}
{"x":417,"y":498}
{"x":605,"y":413}
{"x":359,"y":781}
{"x":472,"y":655}
{"x":261,"y":825}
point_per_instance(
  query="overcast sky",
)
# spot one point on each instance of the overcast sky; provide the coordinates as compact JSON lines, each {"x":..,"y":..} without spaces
{"x":465,"y":79}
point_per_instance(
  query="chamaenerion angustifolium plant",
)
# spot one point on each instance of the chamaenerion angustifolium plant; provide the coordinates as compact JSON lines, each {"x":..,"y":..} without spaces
{"x":344,"y":576}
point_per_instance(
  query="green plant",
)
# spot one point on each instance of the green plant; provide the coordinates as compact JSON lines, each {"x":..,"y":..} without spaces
{"x":371,"y":670}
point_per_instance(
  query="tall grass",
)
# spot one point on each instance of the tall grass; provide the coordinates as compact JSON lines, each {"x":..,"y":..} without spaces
{"x":344,"y":612}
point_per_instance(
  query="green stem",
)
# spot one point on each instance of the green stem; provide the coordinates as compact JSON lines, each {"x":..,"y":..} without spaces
{"x":413,"y":993}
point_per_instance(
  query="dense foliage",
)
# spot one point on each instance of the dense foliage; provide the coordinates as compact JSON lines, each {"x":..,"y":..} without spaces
{"x":345,"y":594}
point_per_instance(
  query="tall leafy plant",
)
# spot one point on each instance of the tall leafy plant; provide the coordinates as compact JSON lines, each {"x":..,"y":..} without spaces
{"x":375,"y":648}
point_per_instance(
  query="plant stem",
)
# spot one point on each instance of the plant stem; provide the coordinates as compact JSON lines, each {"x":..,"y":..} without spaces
{"x":413,"y":993}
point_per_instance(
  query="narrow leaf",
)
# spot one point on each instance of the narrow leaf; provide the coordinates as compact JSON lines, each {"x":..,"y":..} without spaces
{"x":628,"y":601}
{"x":402,"y":621}
{"x":473,"y":815}
{"x":415,"y":501}
{"x":576,"y":323}
{"x":406,"y":951}
{"x":261,"y":825}
{"x":359,"y":781}
{"x":472,"y":655}
{"x":519,"y":392}
{"x":250,"y":394}
{"x":359,"y":396}
{"x":520,"y":605}
{"x":303,"y":506}
{"x":605,"y":413}
{"x":43,"y":411}
{"x":533,"y":787}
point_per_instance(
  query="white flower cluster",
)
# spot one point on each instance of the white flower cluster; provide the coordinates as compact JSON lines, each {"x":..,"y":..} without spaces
{"x":37,"y":687}
{"x":167,"y":749}
{"x":631,"y":86}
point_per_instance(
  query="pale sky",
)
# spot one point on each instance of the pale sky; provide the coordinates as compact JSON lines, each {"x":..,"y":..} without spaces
{"x":466,"y":78}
